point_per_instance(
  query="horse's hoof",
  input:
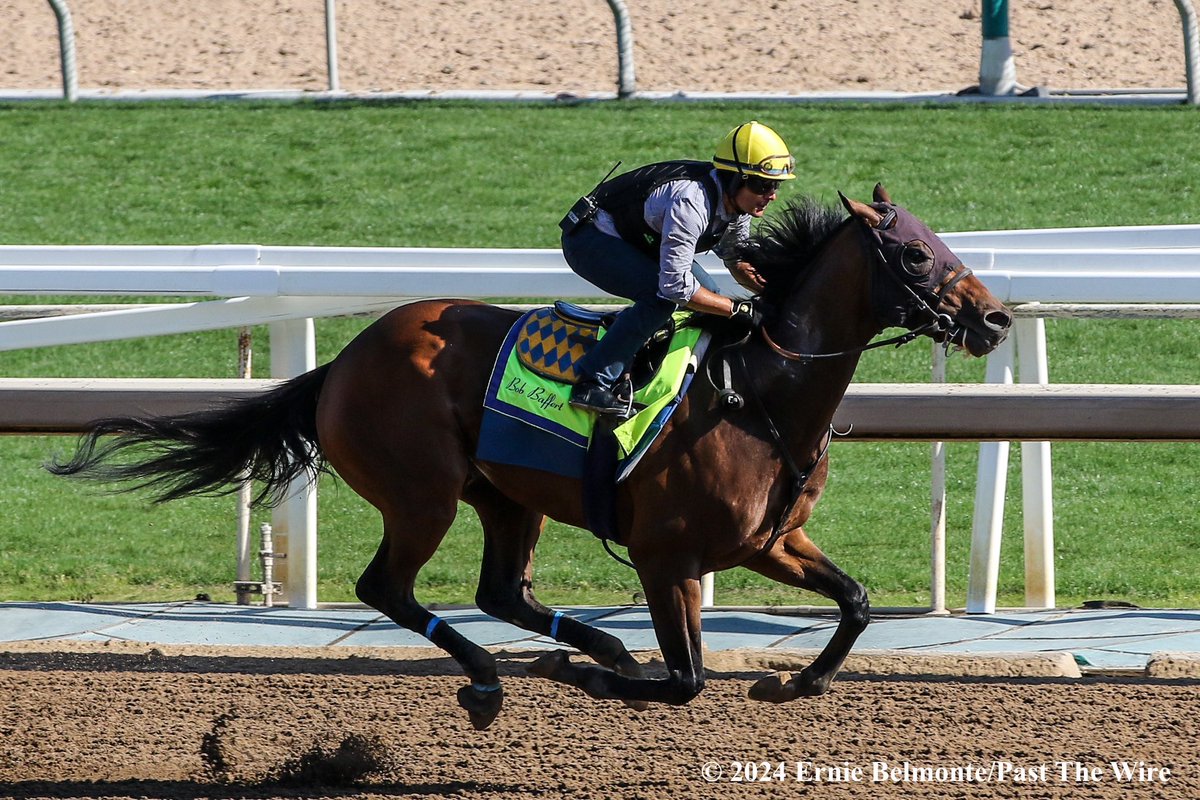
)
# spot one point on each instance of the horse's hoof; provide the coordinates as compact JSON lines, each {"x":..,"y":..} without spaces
{"x":807,"y":686}
{"x":547,"y":666}
{"x":481,"y":707}
{"x":775,"y":688}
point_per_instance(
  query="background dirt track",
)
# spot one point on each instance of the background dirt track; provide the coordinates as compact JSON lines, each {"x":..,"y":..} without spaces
{"x":785,"y":46}
{"x":125,"y":724}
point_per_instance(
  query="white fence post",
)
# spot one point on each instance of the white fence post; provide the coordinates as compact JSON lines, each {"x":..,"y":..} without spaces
{"x":331,"y":53}
{"x":294,"y":522}
{"x":1191,"y":49}
{"x":1036,"y":487}
{"x":990,"y":486}
{"x":937,"y":504}
{"x":1027,"y":347}
{"x":245,"y":551}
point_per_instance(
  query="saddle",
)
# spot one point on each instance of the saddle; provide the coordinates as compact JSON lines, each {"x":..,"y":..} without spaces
{"x":528,"y":422}
{"x":554,"y":339}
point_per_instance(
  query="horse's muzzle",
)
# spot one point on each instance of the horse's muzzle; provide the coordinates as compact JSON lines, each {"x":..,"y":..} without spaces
{"x":982,"y":336}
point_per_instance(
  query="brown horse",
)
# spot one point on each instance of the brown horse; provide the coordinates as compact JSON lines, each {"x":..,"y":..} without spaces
{"x":397,"y":415}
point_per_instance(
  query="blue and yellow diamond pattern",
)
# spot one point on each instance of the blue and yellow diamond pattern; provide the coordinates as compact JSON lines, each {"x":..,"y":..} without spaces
{"x":552,"y":346}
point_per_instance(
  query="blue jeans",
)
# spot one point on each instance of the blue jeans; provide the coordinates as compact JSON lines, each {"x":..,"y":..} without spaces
{"x":620,"y":269}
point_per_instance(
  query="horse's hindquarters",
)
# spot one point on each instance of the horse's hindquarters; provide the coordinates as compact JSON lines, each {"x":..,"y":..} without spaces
{"x":401,"y":405}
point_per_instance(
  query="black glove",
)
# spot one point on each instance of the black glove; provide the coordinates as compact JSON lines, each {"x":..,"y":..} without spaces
{"x":748,"y":313}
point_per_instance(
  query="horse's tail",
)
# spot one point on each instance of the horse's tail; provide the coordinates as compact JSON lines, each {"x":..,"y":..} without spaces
{"x":270,"y":438}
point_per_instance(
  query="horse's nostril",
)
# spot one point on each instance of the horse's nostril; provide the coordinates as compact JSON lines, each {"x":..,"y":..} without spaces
{"x":998,"y":320}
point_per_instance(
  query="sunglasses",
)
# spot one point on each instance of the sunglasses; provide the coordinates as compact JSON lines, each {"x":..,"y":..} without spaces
{"x":762,"y":186}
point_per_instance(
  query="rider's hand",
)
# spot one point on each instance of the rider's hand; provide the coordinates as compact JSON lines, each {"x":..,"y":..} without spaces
{"x":745,"y":274}
{"x":748,"y":312}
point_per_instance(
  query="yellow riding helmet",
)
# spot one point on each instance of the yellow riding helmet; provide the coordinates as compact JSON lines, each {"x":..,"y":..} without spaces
{"x":754,"y":149}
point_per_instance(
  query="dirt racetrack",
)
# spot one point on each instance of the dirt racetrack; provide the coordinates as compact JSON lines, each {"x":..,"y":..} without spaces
{"x":108,"y":722}
{"x":785,"y":46}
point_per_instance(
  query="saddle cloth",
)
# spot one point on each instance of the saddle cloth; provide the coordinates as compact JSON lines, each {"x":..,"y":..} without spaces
{"x":526,"y":419}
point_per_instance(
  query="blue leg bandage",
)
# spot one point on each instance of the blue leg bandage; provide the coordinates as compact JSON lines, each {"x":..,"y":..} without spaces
{"x":558,"y":615}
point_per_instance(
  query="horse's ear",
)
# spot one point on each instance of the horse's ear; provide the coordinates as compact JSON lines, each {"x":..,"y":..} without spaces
{"x":861,"y":210}
{"x":881,"y":194}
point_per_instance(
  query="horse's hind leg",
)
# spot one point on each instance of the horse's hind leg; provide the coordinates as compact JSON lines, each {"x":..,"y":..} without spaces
{"x":387,"y":585}
{"x":673,"y":596}
{"x":511,"y":533}
{"x":796,"y":561}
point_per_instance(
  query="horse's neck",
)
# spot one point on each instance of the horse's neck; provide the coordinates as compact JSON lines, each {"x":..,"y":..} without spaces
{"x":829,"y":309}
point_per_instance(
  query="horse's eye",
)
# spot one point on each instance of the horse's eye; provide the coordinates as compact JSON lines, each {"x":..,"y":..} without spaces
{"x":917,"y":258}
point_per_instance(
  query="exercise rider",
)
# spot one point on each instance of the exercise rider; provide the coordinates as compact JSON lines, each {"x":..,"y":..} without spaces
{"x":637,"y":235}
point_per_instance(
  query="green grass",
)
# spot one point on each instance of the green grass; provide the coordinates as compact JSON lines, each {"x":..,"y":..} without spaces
{"x":461,"y":174}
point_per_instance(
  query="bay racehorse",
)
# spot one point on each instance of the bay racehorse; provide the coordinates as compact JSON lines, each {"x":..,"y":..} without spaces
{"x":397,"y":415}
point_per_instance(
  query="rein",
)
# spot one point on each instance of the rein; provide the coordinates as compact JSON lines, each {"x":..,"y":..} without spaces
{"x":902,"y":339}
{"x":939,"y":323}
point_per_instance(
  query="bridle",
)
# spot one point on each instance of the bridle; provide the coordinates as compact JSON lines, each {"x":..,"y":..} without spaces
{"x":926,"y":306}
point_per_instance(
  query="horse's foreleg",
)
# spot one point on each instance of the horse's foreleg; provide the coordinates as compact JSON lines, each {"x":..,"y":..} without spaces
{"x":796,"y":561}
{"x":511,"y":533}
{"x":675,"y":610}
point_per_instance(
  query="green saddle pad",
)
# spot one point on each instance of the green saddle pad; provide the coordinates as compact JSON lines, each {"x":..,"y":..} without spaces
{"x":528,"y":381}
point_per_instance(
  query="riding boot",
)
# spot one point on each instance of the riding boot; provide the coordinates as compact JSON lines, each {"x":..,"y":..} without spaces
{"x":590,"y":395}
{"x":603,"y":369}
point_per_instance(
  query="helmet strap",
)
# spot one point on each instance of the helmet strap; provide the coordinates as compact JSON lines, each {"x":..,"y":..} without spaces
{"x":737,"y":160}
{"x":731,"y":182}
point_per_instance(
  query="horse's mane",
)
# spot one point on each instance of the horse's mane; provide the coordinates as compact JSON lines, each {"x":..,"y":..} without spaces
{"x":783,"y":244}
{"x":780,"y":248}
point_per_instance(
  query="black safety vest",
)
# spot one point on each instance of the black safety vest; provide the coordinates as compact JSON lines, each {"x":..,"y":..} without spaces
{"x":624,"y":197}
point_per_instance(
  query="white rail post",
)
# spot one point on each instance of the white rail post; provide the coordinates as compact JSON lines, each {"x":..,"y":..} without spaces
{"x":990,"y":485}
{"x":244,"y":551}
{"x":331,"y":55}
{"x":937,"y":490}
{"x":1036,"y":485}
{"x":293,"y":352}
{"x":66,"y":47}
{"x":707,"y":590}
{"x":1191,"y":49}
{"x":626,"y":83}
